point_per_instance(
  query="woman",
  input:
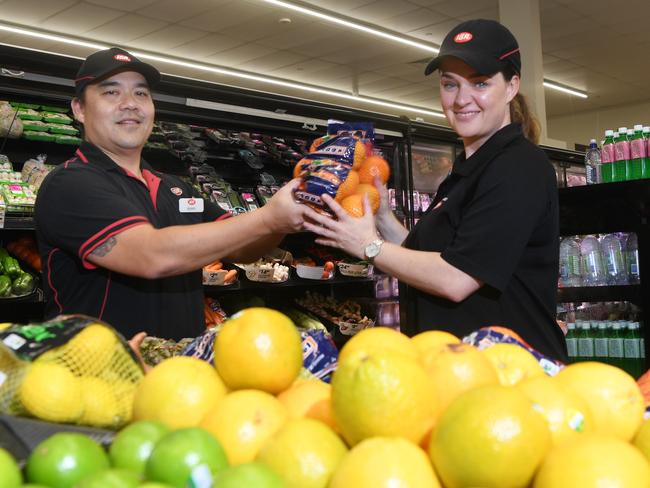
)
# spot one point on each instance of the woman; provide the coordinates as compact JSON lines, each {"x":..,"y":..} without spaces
{"x":486,"y":251}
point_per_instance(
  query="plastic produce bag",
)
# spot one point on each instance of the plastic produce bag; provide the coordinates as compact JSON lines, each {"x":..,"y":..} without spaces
{"x":71,"y":369}
{"x":10,"y":125}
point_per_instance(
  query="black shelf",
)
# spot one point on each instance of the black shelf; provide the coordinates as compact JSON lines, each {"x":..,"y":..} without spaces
{"x":630,"y":293}
{"x":604,"y":208}
{"x":245,"y":284}
{"x":18,"y":223}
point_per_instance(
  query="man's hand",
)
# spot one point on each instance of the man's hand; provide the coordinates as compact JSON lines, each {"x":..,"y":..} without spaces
{"x":283,"y":214}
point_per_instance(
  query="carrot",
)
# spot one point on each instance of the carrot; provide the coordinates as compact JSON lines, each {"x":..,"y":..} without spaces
{"x":216,"y":266}
{"x":329,"y":266}
{"x":230,"y":276}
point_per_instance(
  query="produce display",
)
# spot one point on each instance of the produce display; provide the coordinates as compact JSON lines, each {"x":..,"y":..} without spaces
{"x":423,"y":412}
{"x":14,"y":281}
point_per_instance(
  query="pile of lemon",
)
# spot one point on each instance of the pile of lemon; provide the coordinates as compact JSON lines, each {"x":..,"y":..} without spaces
{"x":90,"y":380}
{"x":419,"y":412}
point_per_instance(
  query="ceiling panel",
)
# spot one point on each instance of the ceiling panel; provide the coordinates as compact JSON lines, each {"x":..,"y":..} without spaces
{"x":413,"y":20}
{"x":435,"y":33}
{"x":381,"y":10}
{"x":205,"y":46}
{"x":167,"y":38}
{"x":241,"y":54}
{"x":126,"y":28}
{"x":80,"y":18}
{"x":175,"y":11}
{"x":299,"y":34}
{"x":456,"y":9}
{"x":30,"y":12}
{"x":338,"y":6}
{"x":266,"y":64}
{"x":229,"y":14}
{"x":126,"y":5}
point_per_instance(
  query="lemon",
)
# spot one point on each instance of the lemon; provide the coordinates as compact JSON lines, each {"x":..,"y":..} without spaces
{"x":50,"y":392}
{"x":178,"y":392}
{"x":384,"y":462}
{"x":489,"y":437}
{"x":567,"y":414}
{"x":304,"y":453}
{"x":382,"y":394}
{"x":99,"y":403}
{"x":258,"y":348}
{"x":594,"y":461}
{"x":243,"y":421}
{"x":613,"y":396}
{"x":512,"y":363}
{"x":379,"y":339}
{"x":90,"y":351}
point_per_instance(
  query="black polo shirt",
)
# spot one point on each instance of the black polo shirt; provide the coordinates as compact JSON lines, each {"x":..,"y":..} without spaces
{"x":89,"y":199}
{"x":495,"y":217}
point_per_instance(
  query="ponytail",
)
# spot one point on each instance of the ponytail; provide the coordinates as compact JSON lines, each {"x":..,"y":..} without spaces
{"x":520,"y":113}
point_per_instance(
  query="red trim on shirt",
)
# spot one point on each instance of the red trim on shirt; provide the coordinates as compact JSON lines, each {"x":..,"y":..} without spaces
{"x":108,"y":285}
{"x":225,"y":216}
{"x":153,"y":183}
{"x":90,"y":240}
{"x":81,"y":156}
{"x":89,"y":265}
{"x":49,"y":279}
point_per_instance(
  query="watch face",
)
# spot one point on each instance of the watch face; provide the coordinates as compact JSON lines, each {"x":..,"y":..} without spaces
{"x":372,"y":250}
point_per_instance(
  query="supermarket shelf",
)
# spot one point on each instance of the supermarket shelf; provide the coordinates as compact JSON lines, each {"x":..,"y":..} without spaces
{"x":630,"y":293}
{"x":18,"y":223}
{"x":604,"y":208}
{"x":292,"y":283}
{"x":35,"y":297}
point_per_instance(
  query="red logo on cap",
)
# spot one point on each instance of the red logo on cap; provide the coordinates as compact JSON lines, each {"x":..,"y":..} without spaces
{"x":463,"y":37}
{"x":122,"y":57}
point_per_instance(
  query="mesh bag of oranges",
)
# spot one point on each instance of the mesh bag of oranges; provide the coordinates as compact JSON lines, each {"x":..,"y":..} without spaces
{"x":72,"y":369}
{"x":343,"y":166}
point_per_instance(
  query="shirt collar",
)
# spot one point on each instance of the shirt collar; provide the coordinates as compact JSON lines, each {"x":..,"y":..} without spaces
{"x":488,"y":150}
{"x":91,"y":154}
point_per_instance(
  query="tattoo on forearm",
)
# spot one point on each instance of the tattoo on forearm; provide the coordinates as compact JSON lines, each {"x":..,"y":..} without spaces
{"x":105,"y":248}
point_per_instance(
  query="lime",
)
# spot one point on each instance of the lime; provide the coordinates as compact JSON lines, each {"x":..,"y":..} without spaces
{"x":9,"y":471}
{"x":249,"y":474}
{"x":64,"y":459}
{"x":111,"y":478}
{"x":184,"y":455}
{"x":153,"y":484}
{"x":132,"y":446}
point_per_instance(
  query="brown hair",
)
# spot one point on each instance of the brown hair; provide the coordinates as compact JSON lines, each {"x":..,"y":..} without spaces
{"x":521,"y":113}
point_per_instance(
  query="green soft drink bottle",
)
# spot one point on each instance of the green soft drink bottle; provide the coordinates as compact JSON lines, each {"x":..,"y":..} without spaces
{"x":638,"y":153}
{"x":601,"y":341}
{"x":645,"y":171}
{"x":631,"y":350}
{"x":571,"y":342}
{"x":607,"y":157}
{"x":615,"y":345}
{"x":622,"y":155}
{"x":585,"y":343}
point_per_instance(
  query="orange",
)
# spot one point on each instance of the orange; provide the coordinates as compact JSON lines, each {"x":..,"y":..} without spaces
{"x":178,"y":392}
{"x":300,"y":167}
{"x":348,"y":187}
{"x":374,"y":166}
{"x":594,"y":460}
{"x":567,"y":414}
{"x":379,"y":339}
{"x":384,"y":462}
{"x":304,"y":453}
{"x":642,"y":439}
{"x":259,"y":348}
{"x":433,"y":340}
{"x":310,"y":398}
{"x":613,"y":396}
{"x":456,"y":368}
{"x":353,"y":205}
{"x":360,"y":154}
{"x":507,"y":332}
{"x":512,"y":363}
{"x":382,"y":394}
{"x":243,"y":421}
{"x":489,"y":437}
{"x":373,"y":195}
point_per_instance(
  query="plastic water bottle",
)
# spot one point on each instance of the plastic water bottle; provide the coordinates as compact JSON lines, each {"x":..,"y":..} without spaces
{"x":585,"y":342}
{"x":638,"y":153}
{"x":612,"y":250}
{"x":622,"y":156}
{"x":645,"y":171}
{"x":601,"y":341}
{"x":632,"y":259}
{"x":570,"y":269}
{"x":571,"y":342}
{"x":593,"y":272}
{"x":592,"y":163}
{"x":607,"y":158}
{"x":615,"y":345}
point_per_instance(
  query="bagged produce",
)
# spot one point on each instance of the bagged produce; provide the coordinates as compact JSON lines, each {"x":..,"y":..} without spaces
{"x":10,"y":125}
{"x":71,"y":369}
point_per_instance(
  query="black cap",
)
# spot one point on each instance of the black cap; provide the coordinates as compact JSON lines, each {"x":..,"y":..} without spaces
{"x":486,"y":45}
{"x":102,"y":64}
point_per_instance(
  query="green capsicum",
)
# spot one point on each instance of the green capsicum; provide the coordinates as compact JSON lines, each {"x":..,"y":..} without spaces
{"x":3,"y":253}
{"x":11,"y":267}
{"x":5,"y":286}
{"x":23,"y":285}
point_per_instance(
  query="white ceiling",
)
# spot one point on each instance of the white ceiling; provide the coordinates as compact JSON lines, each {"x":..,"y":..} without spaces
{"x":594,"y":45}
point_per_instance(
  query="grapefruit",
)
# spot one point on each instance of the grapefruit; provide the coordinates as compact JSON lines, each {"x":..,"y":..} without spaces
{"x":310,"y":398}
{"x":376,"y":339}
{"x":512,"y":363}
{"x":433,"y":339}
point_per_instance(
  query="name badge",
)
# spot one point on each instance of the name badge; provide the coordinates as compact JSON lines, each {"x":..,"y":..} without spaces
{"x":190,"y":205}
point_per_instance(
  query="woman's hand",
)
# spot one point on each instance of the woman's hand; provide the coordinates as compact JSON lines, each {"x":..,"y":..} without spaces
{"x":384,"y":205}
{"x":347,"y":233}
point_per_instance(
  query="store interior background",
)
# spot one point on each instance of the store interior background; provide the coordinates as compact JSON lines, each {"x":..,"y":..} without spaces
{"x":595,"y":46}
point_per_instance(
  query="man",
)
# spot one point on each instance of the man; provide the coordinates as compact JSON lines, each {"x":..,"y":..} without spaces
{"x":124,"y":243}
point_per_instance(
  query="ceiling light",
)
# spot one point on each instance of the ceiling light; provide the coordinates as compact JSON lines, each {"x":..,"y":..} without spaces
{"x":229,"y":72}
{"x":353,"y":25}
{"x":564,"y":89}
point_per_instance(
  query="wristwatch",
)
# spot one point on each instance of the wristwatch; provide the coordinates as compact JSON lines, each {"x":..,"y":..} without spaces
{"x":372,"y":250}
